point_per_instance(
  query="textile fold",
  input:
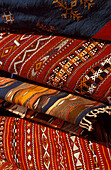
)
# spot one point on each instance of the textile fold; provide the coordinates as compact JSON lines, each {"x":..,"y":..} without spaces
{"x":52,"y":107}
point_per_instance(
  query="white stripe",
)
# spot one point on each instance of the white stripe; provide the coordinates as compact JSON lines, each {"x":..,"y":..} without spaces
{"x":33,"y":146}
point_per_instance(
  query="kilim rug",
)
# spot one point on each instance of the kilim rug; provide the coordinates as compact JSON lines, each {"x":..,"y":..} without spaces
{"x":28,"y":146}
{"x":77,"y":18}
{"x":52,"y":107}
{"x":63,"y":105}
{"x":81,"y":66}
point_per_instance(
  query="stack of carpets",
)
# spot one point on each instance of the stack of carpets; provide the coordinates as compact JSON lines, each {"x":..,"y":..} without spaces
{"x":55,"y":85}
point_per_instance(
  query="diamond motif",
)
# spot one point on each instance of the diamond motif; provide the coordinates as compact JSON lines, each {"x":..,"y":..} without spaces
{"x":46,"y":160}
{"x":6,"y":51}
{"x":29,"y":157}
{"x":28,"y":131}
{"x":28,"y":144}
{"x":8,"y":18}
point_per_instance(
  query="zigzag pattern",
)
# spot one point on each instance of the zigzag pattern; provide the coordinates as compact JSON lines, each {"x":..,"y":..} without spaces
{"x":28,"y":51}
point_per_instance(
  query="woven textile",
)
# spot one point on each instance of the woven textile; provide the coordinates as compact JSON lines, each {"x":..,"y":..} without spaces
{"x":82,"y":18}
{"x":63,"y":105}
{"x":94,"y":126}
{"x":73,"y":65}
{"x":32,"y":146}
{"x":13,"y":110}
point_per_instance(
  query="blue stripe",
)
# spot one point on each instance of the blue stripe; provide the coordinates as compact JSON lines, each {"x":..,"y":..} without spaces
{"x":5,"y":90}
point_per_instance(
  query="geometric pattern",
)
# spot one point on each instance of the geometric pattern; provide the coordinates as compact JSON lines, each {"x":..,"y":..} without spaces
{"x":6,"y":51}
{"x":8,"y":18}
{"x":46,"y":155}
{"x":72,"y":18}
{"x":40,"y":147}
{"x":57,"y":61}
{"x":76,"y":151}
{"x":69,"y":12}
{"x":14,"y":141}
{"x":94,"y":155}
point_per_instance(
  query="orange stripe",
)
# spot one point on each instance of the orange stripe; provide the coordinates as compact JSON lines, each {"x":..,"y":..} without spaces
{"x":106,"y":158}
{"x":7,"y":137}
{"x":41,"y":152}
{"x":39,"y":94}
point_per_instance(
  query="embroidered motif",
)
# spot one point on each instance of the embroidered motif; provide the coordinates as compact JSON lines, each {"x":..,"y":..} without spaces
{"x":46,"y":156}
{"x":8,"y":18}
{"x":96,"y":164}
{"x":76,"y":151}
{"x":94,"y":77}
{"x":69,"y":12}
{"x":88,"y":3}
{"x":44,"y":27}
{"x":66,"y":66}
